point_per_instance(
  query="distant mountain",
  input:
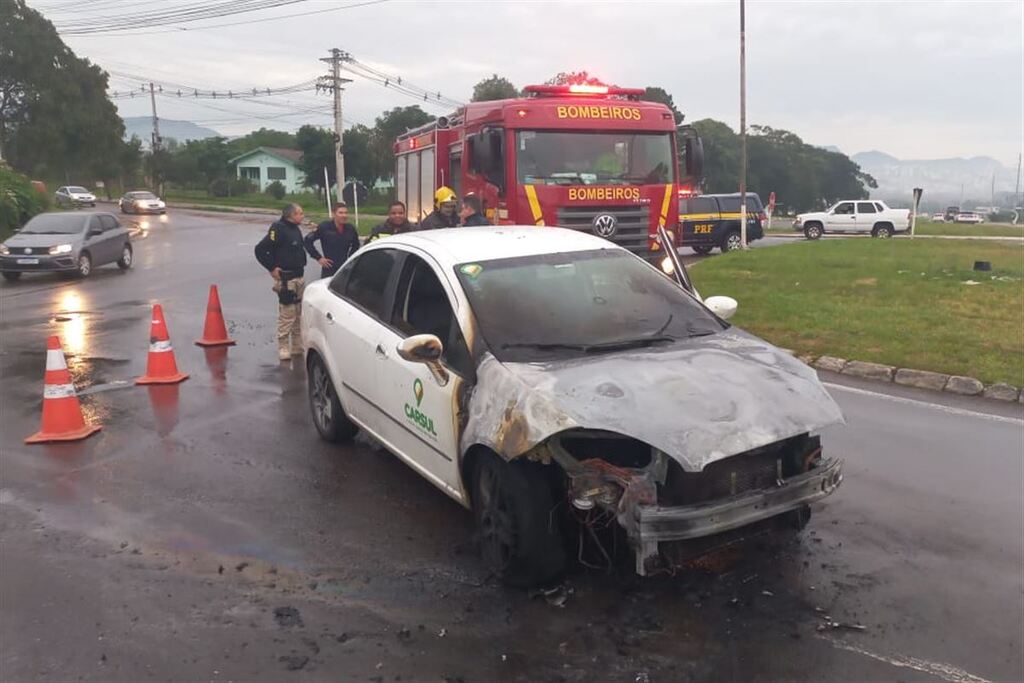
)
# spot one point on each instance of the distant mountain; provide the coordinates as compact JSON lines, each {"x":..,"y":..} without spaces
{"x":142,"y":126}
{"x":941,"y":179}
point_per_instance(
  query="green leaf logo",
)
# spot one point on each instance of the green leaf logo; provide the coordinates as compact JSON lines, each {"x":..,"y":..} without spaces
{"x":417,"y":390}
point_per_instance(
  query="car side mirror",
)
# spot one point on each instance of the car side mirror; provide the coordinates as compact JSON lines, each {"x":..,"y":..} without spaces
{"x":722,"y":306}
{"x":426,"y":349}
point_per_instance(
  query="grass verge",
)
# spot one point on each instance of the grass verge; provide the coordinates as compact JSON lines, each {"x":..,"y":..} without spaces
{"x":963,"y":229}
{"x":899,"y":302}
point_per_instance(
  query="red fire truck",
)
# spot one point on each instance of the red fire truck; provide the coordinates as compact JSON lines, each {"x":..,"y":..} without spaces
{"x":587,"y":157}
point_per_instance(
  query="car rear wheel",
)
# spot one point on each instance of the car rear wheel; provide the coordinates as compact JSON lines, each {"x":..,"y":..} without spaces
{"x":520,"y":539}
{"x":882,"y":232}
{"x":11,"y":276}
{"x":732,"y":242}
{"x":328,"y":415}
{"x":703,"y":249}
{"x":125,"y":262}
{"x":812,"y":231}
{"x":84,"y":265}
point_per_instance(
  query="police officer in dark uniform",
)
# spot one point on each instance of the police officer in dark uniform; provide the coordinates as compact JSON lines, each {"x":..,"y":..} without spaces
{"x":281,"y":252}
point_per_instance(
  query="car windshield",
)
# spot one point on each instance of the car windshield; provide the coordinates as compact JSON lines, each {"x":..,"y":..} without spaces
{"x":578,"y":303}
{"x":78,"y":190}
{"x":608,"y":158}
{"x":141,"y":195}
{"x":54,"y":224}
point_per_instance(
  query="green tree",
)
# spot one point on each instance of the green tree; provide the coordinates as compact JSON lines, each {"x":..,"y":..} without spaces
{"x":359,"y":162}
{"x":494,"y":88}
{"x":656,"y":94}
{"x":721,"y":155}
{"x":317,"y":146}
{"x":573,"y":77}
{"x":19,"y":201}
{"x":55,"y":118}
{"x":387,"y":128}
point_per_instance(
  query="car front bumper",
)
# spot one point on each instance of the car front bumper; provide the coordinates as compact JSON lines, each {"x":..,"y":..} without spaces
{"x":44,"y":263}
{"x":148,"y":209}
{"x":654,"y":524}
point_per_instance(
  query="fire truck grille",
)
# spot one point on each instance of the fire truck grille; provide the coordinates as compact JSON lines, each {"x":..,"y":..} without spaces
{"x":633,"y":223}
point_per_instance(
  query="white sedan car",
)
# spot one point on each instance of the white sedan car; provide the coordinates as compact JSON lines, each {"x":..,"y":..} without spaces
{"x":551,"y":382}
{"x":141,"y":201}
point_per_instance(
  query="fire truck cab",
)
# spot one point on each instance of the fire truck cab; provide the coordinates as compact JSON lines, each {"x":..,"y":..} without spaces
{"x":585,"y":157}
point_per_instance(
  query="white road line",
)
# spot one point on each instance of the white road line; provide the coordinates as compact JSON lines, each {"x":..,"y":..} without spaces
{"x":926,"y":404}
{"x":946,"y":672}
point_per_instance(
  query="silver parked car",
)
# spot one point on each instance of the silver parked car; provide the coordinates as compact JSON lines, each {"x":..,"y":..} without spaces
{"x":66,"y":242}
{"x":74,"y":195}
{"x":141,"y":201}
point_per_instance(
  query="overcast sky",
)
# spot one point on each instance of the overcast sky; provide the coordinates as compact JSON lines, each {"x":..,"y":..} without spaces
{"x":913,"y":79}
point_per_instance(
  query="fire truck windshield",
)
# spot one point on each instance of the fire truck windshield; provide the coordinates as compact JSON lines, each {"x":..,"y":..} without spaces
{"x":552,"y":157}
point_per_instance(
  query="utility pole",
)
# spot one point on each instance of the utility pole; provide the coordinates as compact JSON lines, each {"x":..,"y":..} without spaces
{"x":156,"y":143}
{"x":743,"y":124}
{"x":334,"y":82}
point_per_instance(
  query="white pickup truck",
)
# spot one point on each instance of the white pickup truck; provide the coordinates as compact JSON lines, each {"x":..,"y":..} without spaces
{"x":864,"y":216}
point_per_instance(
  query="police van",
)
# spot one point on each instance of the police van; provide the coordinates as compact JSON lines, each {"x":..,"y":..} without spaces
{"x":713,"y":220}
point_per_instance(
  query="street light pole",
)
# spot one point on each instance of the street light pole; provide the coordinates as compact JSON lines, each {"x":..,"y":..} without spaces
{"x":743,"y":124}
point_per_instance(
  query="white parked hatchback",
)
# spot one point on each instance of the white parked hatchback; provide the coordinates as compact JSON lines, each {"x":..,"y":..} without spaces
{"x":551,"y":382}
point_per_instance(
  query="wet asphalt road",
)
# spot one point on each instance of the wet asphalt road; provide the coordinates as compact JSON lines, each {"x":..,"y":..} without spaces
{"x":208,"y":534}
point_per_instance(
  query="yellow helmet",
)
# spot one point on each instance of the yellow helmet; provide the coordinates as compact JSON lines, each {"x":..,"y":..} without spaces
{"x":444,"y":195}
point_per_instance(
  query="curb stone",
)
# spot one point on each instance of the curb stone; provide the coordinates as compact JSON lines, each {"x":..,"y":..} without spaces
{"x":922,"y":379}
{"x":858,"y":368}
{"x":830,"y":363}
{"x":1001,"y":392}
{"x":965,"y":386}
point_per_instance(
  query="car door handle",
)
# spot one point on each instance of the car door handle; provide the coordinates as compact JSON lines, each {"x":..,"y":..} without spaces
{"x":381,"y":353}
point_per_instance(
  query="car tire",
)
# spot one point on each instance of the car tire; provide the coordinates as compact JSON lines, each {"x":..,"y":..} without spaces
{"x":732,"y":242}
{"x":520,"y":538}
{"x":882,"y":232}
{"x":84,"y":269}
{"x":328,"y":416}
{"x":703,"y":249}
{"x":813,"y":231}
{"x":11,"y":276}
{"x":125,"y":262}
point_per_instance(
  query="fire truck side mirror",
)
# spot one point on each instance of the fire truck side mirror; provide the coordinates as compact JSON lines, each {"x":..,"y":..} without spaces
{"x":694,"y":150}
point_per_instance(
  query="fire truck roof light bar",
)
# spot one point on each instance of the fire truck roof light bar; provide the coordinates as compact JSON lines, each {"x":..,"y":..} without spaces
{"x":582,"y":89}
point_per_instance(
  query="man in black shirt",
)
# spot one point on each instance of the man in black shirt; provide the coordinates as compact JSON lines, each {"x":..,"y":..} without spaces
{"x":338,"y":238}
{"x":396,"y":224}
{"x":281,"y":253}
{"x":472,"y":212}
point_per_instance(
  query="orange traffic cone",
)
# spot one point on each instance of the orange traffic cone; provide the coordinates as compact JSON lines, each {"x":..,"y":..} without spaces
{"x":160,"y":366}
{"x":62,"y":414}
{"x":214,"y":332}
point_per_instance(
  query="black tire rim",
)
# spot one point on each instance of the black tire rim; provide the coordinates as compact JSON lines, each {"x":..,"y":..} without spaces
{"x":321,"y":395}
{"x":126,"y":256}
{"x":497,"y":532}
{"x":733,"y":242}
{"x":84,"y":265}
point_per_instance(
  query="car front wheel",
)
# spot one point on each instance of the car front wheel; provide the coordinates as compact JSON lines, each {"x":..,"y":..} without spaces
{"x":84,"y":265}
{"x":328,"y":415}
{"x":519,"y":536}
{"x":813,"y":231}
{"x":125,"y":262}
{"x":703,"y":249}
{"x":11,"y":276}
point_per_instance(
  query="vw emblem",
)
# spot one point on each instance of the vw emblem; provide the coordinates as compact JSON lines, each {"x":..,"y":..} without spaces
{"x":28,"y":251}
{"x":605,"y":225}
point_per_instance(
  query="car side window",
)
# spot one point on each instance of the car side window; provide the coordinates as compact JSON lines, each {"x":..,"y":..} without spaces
{"x":844,"y":208}
{"x":702,"y":205}
{"x":95,"y":224}
{"x":865,"y":207}
{"x":422,"y":306}
{"x":368,"y":278}
{"x":109,"y":222}
{"x":879,"y":207}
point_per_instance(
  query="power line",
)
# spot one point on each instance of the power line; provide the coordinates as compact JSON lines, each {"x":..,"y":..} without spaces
{"x":166,"y":15}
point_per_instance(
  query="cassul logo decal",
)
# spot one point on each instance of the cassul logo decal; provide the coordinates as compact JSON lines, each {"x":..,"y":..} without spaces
{"x":413,"y":414}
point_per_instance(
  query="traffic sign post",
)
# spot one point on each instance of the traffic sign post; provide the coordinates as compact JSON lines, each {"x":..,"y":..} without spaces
{"x":771,"y":209}
{"x":913,"y":210}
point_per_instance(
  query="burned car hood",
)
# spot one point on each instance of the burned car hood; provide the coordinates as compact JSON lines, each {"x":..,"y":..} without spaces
{"x":698,"y":400}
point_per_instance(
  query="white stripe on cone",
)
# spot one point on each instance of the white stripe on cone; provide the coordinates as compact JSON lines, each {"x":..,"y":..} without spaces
{"x":58,"y":391}
{"x":159,"y":346}
{"x":55,"y":360}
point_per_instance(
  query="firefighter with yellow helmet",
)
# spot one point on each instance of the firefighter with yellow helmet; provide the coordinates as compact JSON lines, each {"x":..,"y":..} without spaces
{"x":445,"y":214}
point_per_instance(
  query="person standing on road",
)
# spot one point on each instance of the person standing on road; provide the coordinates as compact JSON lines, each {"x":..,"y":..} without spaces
{"x":444,"y":214}
{"x":472,"y":212}
{"x":282,"y":254}
{"x":338,"y":238}
{"x":396,"y":223}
